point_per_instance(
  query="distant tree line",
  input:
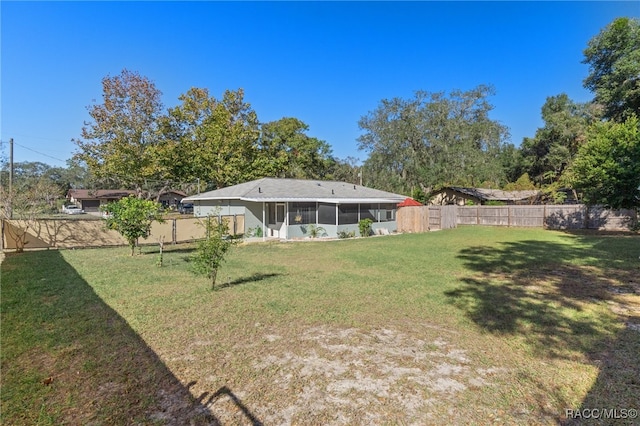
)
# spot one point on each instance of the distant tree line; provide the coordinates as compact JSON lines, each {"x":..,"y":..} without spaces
{"x":133,"y":142}
{"x":413,"y":146}
{"x":433,"y":140}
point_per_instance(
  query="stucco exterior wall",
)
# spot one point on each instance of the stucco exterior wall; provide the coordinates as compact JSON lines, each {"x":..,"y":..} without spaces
{"x":215,"y":208}
{"x":251,"y":212}
{"x":389,"y":226}
{"x":253,"y":216}
{"x":348,"y":228}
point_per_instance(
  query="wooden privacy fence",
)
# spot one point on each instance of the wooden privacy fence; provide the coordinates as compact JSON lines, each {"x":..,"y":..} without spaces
{"x":76,"y":233}
{"x":571,"y":216}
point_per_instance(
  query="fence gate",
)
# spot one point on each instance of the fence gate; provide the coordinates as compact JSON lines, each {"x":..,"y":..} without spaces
{"x":448,"y":216}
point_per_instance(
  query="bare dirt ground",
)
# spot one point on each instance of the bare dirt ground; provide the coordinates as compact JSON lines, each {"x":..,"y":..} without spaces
{"x":350,"y":373}
{"x":335,"y":376}
{"x":412,"y":374}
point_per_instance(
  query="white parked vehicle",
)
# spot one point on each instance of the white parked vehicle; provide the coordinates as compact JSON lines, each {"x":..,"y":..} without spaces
{"x":72,"y":210}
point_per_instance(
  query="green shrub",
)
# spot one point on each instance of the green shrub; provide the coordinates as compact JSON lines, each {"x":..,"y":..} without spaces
{"x":132,"y":218}
{"x":346,"y":234}
{"x":365,"y":227}
{"x":254,"y":232}
{"x":316,"y":231}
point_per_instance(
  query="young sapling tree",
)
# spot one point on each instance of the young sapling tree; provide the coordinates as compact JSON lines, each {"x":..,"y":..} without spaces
{"x":210,"y":252}
{"x":132,"y":218}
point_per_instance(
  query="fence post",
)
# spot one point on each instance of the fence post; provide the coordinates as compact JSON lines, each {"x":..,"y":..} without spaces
{"x":174,"y":232}
{"x":425,"y":218}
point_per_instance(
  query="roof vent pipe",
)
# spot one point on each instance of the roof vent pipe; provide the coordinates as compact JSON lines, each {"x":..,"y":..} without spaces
{"x":332,"y":192}
{"x":354,"y":187}
{"x":259,"y":189}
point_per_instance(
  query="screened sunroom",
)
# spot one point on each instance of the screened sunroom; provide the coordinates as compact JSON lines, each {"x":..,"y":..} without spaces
{"x":295,"y":208}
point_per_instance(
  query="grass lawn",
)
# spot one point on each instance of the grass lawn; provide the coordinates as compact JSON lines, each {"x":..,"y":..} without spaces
{"x":476,"y":325}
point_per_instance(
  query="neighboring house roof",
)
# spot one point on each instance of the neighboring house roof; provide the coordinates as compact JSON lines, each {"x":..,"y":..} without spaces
{"x":175,"y":191}
{"x":299,"y":190}
{"x":94,"y":194}
{"x":496,"y":194}
{"x":410,"y":202}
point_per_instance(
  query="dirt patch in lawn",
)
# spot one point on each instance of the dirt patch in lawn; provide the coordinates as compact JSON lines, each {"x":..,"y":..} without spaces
{"x":337,"y":376}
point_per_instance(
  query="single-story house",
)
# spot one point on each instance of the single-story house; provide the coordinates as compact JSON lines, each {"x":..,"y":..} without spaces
{"x":90,"y":200}
{"x":171,"y":198}
{"x":287,"y":208}
{"x":463,"y":196}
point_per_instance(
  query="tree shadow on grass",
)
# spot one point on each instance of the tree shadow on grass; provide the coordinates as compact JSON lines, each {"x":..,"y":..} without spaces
{"x":68,"y":358}
{"x":559,"y":298}
{"x":169,"y":249}
{"x":258,"y":276}
{"x":618,"y":383}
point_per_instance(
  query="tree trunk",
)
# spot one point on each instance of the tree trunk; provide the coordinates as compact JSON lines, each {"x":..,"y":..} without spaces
{"x":213,"y":279}
{"x":162,"y":191}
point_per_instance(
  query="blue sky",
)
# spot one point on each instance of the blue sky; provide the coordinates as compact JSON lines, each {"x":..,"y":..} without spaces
{"x":326,"y":63}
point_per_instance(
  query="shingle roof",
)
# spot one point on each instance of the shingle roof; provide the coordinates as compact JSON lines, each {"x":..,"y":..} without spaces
{"x":274,"y":189}
{"x":496,"y":194}
{"x":175,"y":191}
{"x":92,"y":194}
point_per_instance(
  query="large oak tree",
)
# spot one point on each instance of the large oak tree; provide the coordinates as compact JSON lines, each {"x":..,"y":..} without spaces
{"x":433,"y":139}
{"x":554,"y":146}
{"x":288,"y":152}
{"x":118,"y":143}
{"x":213,"y":140}
{"x":606,"y":169}
{"x":613,"y":57}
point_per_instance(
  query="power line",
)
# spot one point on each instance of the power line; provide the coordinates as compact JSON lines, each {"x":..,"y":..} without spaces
{"x":37,"y":152}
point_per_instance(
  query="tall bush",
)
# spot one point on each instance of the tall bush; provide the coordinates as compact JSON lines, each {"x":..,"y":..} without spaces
{"x":365,"y":227}
{"x":132,"y":218}
{"x":211,"y":251}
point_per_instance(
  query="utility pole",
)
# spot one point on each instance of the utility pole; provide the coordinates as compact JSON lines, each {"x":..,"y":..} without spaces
{"x":10,"y":164}
{"x":10,"y":200}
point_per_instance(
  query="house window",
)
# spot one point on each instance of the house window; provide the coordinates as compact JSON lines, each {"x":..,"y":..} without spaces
{"x":327,"y":214}
{"x":387,"y":212}
{"x":302,"y":213}
{"x":347,"y":214}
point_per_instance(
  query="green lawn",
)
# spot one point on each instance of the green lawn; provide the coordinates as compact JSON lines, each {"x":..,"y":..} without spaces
{"x":473,"y":325}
